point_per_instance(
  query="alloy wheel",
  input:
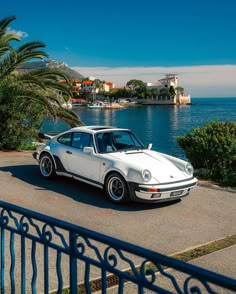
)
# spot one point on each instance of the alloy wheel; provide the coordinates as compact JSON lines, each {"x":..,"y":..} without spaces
{"x":46,"y":166}
{"x":116,"y":188}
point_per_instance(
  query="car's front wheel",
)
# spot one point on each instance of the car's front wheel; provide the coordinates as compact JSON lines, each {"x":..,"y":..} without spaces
{"x":47,"y":167}
{"x":116,"y":188}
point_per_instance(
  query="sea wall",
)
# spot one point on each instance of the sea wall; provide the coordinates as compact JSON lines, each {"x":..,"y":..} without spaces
{"x":183,"y":99}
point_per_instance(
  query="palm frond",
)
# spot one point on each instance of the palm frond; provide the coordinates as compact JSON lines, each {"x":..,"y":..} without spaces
{"x":4,"y":43}
{"x":69,"y":117}
{"x":25,"y":56}
{"x":31,"y":98}
{"x":30,"y":80}
{"x":8,"y":64}
{"x":29,"y":46}
{"x":4,"y":48}
{"x":60,"y":88}
{"x":5,"y":22}
{"x":60,"y":73}
{"x":9,"y":37}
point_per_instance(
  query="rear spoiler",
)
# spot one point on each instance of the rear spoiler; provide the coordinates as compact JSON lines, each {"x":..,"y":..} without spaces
{"x":48,"y":136}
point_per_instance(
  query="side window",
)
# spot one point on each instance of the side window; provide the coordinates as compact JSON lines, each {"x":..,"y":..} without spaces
{"x":76,"y":140}
{"x":81,"y":140}
{"x":65,"y":139}
{"x":100,"y":145}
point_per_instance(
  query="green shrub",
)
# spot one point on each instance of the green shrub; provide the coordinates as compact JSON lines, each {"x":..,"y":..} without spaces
{"x":212,"y":150}
{"x":18,"y":126}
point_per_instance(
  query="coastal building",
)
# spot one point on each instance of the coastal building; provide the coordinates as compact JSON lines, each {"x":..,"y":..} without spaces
{"x":108,"y":86}
{"x":87,"y":86}
{"x":76,"y":84}
{"x":166,"y":91}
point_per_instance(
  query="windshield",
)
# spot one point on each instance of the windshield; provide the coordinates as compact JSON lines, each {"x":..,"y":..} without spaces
{"x":116,"y":141}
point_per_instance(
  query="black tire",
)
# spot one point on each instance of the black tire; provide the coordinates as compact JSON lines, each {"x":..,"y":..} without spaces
{"x":116,"y":188}
{"x":46,"y":165}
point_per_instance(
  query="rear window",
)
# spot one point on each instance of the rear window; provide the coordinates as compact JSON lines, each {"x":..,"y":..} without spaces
{"x":65,"y":139}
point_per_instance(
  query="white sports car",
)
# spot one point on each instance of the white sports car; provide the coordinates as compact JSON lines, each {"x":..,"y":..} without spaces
{"x":116,"y":160}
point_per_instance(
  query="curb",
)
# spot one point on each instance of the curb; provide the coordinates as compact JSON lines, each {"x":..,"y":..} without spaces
{"x":15,"y":153}
{"x":214,"y":186}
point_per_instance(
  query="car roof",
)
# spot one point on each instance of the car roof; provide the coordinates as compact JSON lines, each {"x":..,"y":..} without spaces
{"x":96,"y":129}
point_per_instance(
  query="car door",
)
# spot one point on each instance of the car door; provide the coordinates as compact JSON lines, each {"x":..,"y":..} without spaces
{"x":79,"y":163}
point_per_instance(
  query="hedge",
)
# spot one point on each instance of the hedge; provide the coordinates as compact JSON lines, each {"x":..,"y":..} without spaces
{"x":212,"y":150}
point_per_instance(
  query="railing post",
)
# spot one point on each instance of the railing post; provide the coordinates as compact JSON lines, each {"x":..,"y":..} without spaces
{"x":73,"y":263}
{"x":46,"y":273}
{"x":23,"y":266}
{"x":13,"y":260}
{"x":2,"y":260}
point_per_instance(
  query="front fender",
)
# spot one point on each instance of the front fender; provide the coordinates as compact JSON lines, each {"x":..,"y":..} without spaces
{"x":129,"y":174}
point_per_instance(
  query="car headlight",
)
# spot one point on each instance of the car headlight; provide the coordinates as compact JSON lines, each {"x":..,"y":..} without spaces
{"x":189,"y":168}
{"x":146,"y":175}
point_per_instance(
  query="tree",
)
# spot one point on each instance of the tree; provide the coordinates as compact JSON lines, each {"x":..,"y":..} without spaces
{"x":152,"y":93}
{"x":99,"y":84}
{"x":135,"y":85}
{"x":172,"y":91}
{"x":180,"y":90}
{"x":27,"y":97}
{"x":164,"y":91}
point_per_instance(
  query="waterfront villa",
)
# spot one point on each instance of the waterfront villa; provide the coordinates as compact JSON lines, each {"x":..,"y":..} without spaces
{"x":163,"y":96}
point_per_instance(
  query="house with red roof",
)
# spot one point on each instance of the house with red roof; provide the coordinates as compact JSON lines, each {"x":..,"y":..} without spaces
{"x":87,"y":85}
{"x":108,"y":86}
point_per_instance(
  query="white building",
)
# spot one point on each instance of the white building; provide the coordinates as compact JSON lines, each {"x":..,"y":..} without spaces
{"x":163,"y":96}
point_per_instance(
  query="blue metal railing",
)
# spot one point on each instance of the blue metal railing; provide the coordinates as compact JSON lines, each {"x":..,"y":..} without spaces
{"x":50,"y":255}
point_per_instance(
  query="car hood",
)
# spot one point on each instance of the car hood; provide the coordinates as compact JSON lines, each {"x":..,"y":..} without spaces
{"x":161,"y":168}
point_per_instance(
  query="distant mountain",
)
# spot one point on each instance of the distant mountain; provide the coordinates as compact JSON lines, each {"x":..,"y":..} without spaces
{"x":52,"y":64}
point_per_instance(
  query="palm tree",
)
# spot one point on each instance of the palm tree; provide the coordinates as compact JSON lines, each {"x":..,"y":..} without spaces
{"x":25,"y":96}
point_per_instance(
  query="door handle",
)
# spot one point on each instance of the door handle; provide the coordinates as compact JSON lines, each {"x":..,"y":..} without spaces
{"x":68,"y":152}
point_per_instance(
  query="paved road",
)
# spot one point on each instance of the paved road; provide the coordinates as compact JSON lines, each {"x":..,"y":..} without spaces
{"x":203,"y":216}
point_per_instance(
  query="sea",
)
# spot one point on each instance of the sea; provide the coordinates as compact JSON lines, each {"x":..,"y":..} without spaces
{"x":156,"y":124}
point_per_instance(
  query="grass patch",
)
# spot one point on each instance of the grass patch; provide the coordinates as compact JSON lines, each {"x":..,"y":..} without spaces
{"x":206,"y":249}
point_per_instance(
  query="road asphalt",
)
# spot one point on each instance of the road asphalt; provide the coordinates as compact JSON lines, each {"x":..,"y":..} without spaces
{"x":208,"y":214}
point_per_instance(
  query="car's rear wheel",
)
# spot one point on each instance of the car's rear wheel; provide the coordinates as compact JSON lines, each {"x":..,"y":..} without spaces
{"x":47,"y":167}
{"x":116,"y":188}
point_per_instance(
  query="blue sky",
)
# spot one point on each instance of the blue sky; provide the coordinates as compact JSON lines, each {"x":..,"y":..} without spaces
{"x":125,"y":39}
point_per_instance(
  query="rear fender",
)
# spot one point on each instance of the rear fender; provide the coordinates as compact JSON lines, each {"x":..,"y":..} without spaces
{"x":46,"y":151}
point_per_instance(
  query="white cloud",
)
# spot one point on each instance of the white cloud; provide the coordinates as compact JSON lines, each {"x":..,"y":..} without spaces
{"x":198,"y":81}
{"x":18,"y":33}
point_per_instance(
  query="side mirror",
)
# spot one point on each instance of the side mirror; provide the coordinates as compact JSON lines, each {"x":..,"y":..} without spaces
{"x":88,"y":149}
{"x":149,"y":146}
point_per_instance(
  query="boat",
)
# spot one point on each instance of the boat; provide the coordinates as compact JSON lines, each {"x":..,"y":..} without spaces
{"x":105,"y":105}
{"x":96,"y":105}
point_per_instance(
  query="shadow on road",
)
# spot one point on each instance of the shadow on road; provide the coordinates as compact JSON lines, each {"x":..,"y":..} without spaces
{"x":74,"y":189}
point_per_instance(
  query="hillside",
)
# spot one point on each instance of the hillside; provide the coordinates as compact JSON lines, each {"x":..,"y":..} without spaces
{"x":52,"y":64}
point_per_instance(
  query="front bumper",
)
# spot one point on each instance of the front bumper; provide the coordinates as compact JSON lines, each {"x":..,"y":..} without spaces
{"x":161,"y":192}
